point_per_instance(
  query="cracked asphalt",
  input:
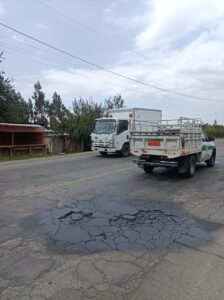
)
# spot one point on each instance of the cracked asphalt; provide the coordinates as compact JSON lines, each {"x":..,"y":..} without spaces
{"x":88,"y":227}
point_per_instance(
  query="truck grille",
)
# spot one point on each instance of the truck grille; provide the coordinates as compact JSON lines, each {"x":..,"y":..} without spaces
{"x":100,"y":144}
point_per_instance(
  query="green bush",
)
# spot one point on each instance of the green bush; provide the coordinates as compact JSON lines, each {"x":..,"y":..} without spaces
{"x":216,"y":131}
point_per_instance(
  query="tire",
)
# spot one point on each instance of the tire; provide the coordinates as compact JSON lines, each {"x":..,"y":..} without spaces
{"x":211,"y":162}
{"x":103,"y":153}
{"x":125,"y":150}
{"x":191,"y":167}
{"x":148,"y":169}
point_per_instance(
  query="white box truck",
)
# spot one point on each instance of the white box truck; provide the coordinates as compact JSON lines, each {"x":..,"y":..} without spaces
{"x":111,"y":134}
{"x":178,"y":144}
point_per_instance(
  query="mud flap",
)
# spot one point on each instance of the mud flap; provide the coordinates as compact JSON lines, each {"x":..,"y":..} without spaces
{"x":182,"y":165}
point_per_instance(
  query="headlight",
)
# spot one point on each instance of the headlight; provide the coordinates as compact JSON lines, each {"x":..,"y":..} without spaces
{"x":111,"y":143}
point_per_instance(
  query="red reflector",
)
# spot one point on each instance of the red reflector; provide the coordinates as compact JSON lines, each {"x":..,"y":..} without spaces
{"x":144,"y":151}
{"x":154,"y":143}
{"x":135,"y":151}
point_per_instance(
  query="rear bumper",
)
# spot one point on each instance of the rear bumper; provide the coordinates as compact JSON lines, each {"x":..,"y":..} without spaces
{"x":157,"y":163}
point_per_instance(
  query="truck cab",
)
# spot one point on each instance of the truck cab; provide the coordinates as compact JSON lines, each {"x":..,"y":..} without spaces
{"x":208,"y":150}
{"x":110,"y":135}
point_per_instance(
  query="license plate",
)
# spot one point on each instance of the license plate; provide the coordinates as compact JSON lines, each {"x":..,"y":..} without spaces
{"x":154,"y":143}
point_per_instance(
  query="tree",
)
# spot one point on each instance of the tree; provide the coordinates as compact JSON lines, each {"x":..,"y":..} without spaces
{"x":41,"y":106}
{"x":58,"y":113}
{"x":85,"y":112}
{"x":214,"y":130}
{"x":116,"y":102}
{"x":1,"y":56}
{"x":30,"y":110}
{"x":13,"y":108}
{"x":25,"y":110}
{"x":56,"y":107}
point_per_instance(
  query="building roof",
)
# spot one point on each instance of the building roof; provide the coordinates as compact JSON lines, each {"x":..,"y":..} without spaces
{"x":13,"y":127}
{"x":23,"y":125}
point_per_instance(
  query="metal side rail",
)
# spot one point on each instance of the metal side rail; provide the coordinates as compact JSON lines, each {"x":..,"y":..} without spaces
{"x":157,"y":163}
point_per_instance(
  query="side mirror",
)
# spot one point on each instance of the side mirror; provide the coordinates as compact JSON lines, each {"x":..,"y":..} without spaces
{"x":118,"y":128}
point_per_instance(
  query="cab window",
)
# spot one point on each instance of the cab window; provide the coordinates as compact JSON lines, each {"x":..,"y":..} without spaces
{"x":204,"y":137}
{"x":122,"y":126}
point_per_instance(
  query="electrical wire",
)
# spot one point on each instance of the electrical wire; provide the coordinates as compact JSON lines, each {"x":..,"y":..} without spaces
{"x":78,"y":74}
{"x":41,"y":50}
{"x":34,"y":58}
{"x":105,"y":69}
{"x":97,"y":33}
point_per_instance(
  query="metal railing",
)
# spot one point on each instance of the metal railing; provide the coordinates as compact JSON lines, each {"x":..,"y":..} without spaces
{"x":166,"y":127}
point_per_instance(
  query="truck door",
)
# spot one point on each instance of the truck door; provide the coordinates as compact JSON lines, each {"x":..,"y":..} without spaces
{"x":206,"y":149}
{"x":122,"y":133}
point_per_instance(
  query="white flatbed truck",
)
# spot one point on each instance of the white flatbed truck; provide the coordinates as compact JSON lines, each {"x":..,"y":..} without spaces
{"x":111,"y":134}
{"x":173,"y":143}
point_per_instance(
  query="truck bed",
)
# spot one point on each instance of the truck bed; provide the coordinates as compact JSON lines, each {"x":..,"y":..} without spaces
{"x":169,"y":139}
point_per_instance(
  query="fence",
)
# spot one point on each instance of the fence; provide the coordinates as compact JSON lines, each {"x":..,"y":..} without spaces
{"x":62,"y":144}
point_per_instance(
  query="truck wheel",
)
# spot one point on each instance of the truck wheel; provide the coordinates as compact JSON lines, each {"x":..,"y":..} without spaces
{"x":125,"y":150}
{"x":148,"y":169}
{"x":103,"y":153}
{"x":191,"y":167}
{"x":211,"y":162}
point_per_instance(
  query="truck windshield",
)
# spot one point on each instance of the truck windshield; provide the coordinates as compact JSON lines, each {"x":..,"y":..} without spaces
{"x":104,"y":126}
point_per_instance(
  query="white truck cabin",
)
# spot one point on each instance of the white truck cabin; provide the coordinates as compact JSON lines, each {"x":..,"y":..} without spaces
{"x":111,"y":134}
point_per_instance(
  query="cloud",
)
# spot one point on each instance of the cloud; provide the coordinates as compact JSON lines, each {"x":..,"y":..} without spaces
{"x":173,"y":20}
{"x":17,"y":38}
{"x":124,"y":14}
{"x":42,"y":26}
{"x":200,"y":64}
{"x":186,"y":37}
{"x":2,"y":10}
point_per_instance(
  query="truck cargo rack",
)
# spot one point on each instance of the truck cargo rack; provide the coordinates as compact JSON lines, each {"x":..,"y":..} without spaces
{"x":168,"y":138}
{"x":166,"y":127}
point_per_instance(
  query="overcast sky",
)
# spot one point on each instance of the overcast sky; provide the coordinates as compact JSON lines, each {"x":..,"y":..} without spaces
{"x":173,"y":44}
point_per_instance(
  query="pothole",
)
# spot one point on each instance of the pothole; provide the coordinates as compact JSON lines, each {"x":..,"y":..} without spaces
{"x":95,"y":228}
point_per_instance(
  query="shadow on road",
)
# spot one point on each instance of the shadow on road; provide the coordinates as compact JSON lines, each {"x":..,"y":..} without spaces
{"x":170,"y":174}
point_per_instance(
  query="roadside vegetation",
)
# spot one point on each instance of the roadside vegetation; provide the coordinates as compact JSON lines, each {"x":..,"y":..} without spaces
{"x":215,"y":130}
{"x":52,"y":113}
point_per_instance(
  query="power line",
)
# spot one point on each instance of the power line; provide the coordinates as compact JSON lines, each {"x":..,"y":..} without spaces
{"x":82,"y":75}
{"x":49,"y":53}
{"x":97,"y":33}
{"x":41,"y":50}
{"x":57,"y":62}
{"x":105,"y":69}
{"x":78,"y":74}
{"x":56,"y":55}
{"x":215,"y":113}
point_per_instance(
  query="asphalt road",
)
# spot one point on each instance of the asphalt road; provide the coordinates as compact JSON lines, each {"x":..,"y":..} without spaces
{"x":88,"y":227}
